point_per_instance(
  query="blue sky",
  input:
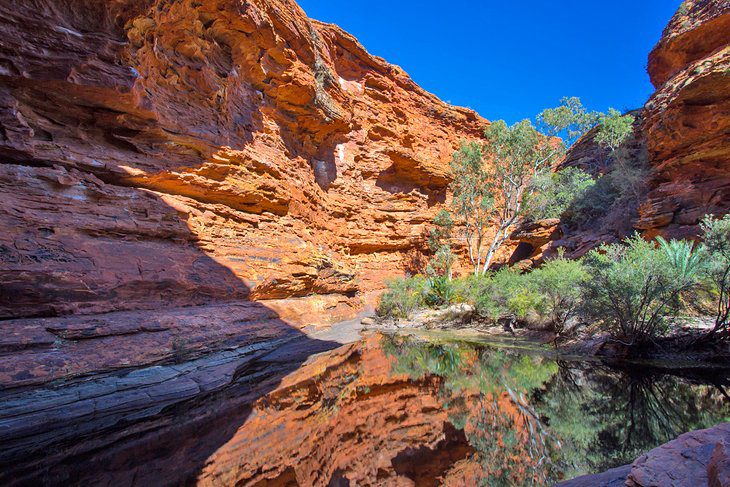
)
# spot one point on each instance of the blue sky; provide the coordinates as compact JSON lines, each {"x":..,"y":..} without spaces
{"x":509,"y":59}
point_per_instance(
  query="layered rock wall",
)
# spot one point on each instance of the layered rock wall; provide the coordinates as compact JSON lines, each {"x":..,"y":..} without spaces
{"x":687,"y":120}
{"x":165,"y":153}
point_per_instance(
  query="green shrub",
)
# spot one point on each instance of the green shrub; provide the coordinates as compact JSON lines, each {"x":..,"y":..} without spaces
{"x":438,"y":242}
{"x":505,"y":294}
{"x":614,"y":129}
{"x":403,"y":297}
{"x":559,"y":284}
{"x":716,"y":252}
{"x":634,"y":286}
{"x":554,"y":193}
{"x":439,"y":292}
{"x":620,"y":190}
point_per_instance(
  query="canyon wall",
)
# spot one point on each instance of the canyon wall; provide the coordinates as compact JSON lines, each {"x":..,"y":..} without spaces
{"x":681,"y":136}
{"x":687,"y":120}
{"x":159,"y":153}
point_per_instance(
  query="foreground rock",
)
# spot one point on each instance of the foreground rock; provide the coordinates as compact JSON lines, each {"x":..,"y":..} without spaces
{"x":696,"y":459}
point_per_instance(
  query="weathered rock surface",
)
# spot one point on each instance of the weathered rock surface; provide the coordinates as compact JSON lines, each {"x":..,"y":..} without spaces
{"x":163,"y":164}
{"x":687,"y":121}
{"x":695,"y":459}
{"x":173,"y":154}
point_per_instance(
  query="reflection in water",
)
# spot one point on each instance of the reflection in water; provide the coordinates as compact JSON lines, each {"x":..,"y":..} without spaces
{"x":397,"y":410}
{"x":533,"y":420}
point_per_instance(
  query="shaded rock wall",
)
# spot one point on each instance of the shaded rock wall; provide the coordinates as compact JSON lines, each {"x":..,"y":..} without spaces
{"x":166,"y":153}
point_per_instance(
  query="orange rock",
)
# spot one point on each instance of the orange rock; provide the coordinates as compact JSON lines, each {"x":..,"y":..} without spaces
{"x":236,"y":149}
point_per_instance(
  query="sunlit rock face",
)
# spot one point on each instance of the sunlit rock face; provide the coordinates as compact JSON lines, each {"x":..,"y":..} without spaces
{"x":177,"y":153}
{"x":687,"y":121}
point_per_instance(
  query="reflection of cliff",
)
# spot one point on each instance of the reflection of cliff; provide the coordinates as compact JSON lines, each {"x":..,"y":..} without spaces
{"x":343,"y":418}
{"x":136,"y":135}
{"x":371,"y":414}
{"x":387,"y":410}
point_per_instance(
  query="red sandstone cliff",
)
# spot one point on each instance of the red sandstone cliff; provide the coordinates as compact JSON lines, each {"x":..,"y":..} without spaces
{"x":687,"y":121}
{"x":177,"y":153}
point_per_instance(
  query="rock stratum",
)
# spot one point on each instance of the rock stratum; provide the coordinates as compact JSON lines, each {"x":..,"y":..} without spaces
{"x":160,"y":154}
{"x":687,"y":121}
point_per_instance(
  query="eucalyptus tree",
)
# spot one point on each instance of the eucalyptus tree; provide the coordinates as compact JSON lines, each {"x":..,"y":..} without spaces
{"x":490,"y":181}
{"x":493,"y":178}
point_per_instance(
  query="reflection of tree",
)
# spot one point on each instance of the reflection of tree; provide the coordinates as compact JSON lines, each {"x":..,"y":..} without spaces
{"x":531,"y":419}
{"x":608,"y":417}
{"x":512,"y":445}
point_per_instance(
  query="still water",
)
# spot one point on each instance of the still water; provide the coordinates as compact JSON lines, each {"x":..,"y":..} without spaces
{"x":406,"y":410}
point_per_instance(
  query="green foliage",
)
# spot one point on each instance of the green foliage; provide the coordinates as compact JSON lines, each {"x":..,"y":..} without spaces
{"x":517,"y":154}
{"x":569,"y":121}
{"x":554,"y":193}
{"x":684,"y":261}
{"x":439,"y":243}
{"x":716,"y":251}
{"x":441,"y":263}
{"x":504,"y":294}
{"x":567,"y":417}
{"x":634,"y":286}
{"x":472,"y":202}
{"x":559,"y":284}
{"x":440,"y":233}
{"x":439,"y":292}
{"x":403,"y":297}
{"x":619,"y":191}
{"x":614,"y":128}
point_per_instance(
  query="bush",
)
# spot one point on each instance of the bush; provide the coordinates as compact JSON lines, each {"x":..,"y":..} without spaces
{"x":633,"y":286}
{"x":403,"y":297}
{"x":619,"y":190}
{"x":439,"y":292}
{"x":716,"y":251}
{"x":505,"y":294}
{"x":559,"y":284}
{"x":554,"y":193}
